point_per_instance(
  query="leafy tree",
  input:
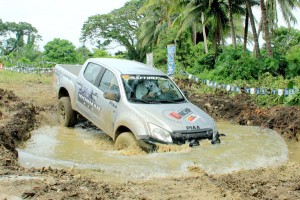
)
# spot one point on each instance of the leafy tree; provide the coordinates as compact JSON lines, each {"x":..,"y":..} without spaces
{"x":100,"y":53}
{"x":120,"y":25}
{"x":234,"y":64}
{"x":83,"y":54}
{"x":60,"y":51}
{"x":293,"y":59}
{"x":283,"y":39}
{"x":13,"y":36}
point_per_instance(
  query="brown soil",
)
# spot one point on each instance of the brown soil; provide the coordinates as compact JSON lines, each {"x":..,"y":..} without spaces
{"x":24,"y":109}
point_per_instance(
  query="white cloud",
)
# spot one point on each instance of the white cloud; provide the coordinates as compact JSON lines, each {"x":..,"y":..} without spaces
{"x":56,"y":18}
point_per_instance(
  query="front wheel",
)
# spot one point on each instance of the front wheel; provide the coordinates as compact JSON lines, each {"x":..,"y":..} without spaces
{"x":125,"y":140}
{"x":67,"y":116}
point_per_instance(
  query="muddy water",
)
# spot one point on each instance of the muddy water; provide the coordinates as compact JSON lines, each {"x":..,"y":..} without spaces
{"x":242,"y":148}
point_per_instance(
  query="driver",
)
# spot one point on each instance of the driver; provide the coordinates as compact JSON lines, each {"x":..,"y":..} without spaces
{"x":147,"y":89}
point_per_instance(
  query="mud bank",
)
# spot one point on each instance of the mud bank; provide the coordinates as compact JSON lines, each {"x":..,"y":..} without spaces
{"x":239,"y":109}
{"x":18,"y":117}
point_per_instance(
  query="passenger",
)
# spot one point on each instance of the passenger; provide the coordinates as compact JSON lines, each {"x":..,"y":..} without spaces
{"x":167,"y":93}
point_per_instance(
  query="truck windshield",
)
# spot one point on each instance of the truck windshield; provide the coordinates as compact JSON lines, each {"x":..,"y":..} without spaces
{"x":151,"y":89}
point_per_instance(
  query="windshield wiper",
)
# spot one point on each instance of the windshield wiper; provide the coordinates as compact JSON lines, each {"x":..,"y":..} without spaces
{"x":171,"y":101}
{"x":140,"y":100}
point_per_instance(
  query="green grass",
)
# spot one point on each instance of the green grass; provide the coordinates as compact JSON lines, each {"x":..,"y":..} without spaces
{"x":17,"y":77}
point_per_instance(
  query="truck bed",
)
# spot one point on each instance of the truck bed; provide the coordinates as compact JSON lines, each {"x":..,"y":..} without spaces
{"x":74,"y":69}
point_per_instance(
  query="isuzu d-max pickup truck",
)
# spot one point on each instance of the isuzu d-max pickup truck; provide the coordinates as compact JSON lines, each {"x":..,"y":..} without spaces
{"x":131,"y":102}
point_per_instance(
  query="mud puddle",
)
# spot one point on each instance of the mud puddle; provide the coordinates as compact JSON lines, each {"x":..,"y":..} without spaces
{"x":243,"y":147}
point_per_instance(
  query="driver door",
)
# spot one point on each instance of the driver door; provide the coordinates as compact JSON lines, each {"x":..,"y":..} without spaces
{"x":110,"y":84}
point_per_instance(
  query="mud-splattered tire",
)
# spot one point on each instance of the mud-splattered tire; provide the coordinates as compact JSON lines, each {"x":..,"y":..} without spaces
{"x":125,"y":140}
{"x":67,"y":116}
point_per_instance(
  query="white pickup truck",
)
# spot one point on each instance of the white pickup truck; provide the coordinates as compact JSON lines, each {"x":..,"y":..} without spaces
{"x":131,"y":102}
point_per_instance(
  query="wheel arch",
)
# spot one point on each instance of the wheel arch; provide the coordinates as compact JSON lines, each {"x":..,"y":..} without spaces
{"x":120,"y":130}
{"x":63,"y":92}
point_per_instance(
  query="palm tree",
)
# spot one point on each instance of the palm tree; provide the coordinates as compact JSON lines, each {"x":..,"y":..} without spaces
{"x":233,"y":38}
{"x":188,"y":17}
{"x":269,"y":19}
{"x":157,"y":18}
{"x":286,"y":7}
{"x":246,"y":30}
{"x":255,"y":36}
{"x":212,"y":14}
{"x":266,"y":28}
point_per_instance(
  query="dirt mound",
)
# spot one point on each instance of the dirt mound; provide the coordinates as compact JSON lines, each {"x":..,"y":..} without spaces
{"x":21,"y":120}
{"x":221,"y":105}
{"x":7,"y":95}
{"x":241,"y":109}
{"x":284,"y":119}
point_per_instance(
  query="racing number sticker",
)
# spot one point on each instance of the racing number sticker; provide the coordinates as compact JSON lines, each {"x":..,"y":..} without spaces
{"x":180,"y":114}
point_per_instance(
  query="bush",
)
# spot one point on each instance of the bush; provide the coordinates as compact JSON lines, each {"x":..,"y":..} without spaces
{"x":293,"y":59}
{"x":235,"y":64}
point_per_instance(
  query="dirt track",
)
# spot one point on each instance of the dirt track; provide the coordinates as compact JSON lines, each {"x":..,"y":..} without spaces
{"x":30,"y":106}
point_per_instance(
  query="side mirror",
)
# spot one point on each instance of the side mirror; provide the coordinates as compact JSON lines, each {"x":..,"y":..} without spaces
{"x":185,"y":93}
{"x":111,"y":96}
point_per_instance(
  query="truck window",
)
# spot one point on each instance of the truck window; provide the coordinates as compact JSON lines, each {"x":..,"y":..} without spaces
{"x":91,"y":71}
{"x":109,"y":83}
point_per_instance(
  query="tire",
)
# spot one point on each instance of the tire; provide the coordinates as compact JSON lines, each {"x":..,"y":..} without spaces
{"x":67,"y":116}
{"x":124,"y":141}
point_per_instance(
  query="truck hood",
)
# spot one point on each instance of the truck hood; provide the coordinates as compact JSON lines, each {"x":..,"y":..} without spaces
{"x":175,"y":117}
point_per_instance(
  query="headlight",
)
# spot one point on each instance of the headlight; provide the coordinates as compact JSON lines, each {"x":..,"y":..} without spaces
{"x":159,"y":133}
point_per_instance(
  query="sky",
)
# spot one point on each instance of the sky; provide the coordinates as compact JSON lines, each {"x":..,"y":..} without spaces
{"x":63,"y":18}
{"x":56,"y":18}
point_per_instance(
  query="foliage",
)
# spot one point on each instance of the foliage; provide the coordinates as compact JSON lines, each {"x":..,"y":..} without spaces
{"x":60,"y":51}
{"x":198,"y":61}
{"x":235,"y":64}
{"x":15,"y":36}
{"x":160,"y":51}
{"x":83,"y":54}
{"x":100,"y":53}
{"x":120,"y":25}
{"x":283,"y":39}
{"x":293,"y":60}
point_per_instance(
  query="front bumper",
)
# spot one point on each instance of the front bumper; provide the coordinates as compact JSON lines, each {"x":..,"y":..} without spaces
{"x":179,"y":138}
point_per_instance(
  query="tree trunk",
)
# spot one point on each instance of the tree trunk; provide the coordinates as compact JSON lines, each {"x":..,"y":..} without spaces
{"x":266,"y":28}
{"x":169,"y":21}
{"x":195,"y":33}
{"x":204,"y":33}
{"x":233,"y":38}
{"x":256,"y":44}
{"x":246,"y":30}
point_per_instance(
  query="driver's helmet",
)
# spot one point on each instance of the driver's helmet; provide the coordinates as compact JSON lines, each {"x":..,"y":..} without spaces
{"x":151,"y":85}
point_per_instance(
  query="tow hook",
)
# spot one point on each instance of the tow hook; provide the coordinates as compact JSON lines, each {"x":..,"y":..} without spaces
{"x":217,"y":140}
{"x":194,"y":143}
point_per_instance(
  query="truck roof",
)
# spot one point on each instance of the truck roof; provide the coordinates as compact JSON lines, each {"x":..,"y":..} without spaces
{"x":127,"y":66}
